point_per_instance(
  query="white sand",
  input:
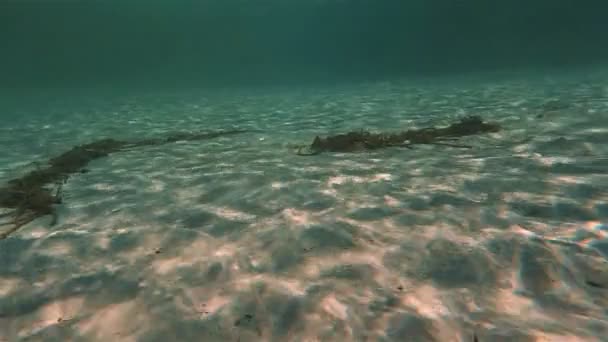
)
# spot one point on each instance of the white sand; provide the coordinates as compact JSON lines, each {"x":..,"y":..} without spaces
{"x":238,"y":239}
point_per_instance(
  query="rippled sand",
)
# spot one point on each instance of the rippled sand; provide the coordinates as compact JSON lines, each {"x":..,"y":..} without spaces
{"x":239,"y":239}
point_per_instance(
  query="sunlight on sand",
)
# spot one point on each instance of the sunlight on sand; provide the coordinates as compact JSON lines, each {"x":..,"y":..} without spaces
{"x":279,"y":185}
{"x":164,"y":266}
{"x":122,"y":321}
{"x":392,"y":201}
{"x":229,"y":213}
{"x":214,"y":304}
{"x":292,"y":287}
{"x":59,"y":249}
{"x":545,"y":337}
{"x":297,"y":217}
{"x":512,"y":304}
{"x":339,"y":180}
{"x":200,"y":250}
{"x":242,"y":238}
{"x":334,"y":307}
{"x":8,"y":285}
{"x":427,"y":301}
{"x":54,"y":313}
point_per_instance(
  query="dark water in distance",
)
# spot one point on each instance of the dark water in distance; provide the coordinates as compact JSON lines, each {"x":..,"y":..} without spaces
{"x":214,"y":42}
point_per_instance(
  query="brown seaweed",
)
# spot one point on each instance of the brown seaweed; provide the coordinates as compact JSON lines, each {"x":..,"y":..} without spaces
{"x":31,"y":196}
{"x":365,"y":140}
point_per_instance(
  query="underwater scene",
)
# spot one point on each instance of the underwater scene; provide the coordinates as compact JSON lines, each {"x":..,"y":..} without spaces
{"x":322,"y":171}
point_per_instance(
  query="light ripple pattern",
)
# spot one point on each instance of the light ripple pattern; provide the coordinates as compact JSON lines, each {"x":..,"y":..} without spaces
{"x":239,"y":239}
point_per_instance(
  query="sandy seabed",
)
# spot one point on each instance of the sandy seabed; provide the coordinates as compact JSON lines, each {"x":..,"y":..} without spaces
{"x":239,"y":239}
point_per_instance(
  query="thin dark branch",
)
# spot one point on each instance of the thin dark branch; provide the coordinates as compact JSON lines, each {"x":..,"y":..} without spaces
{"x":29,"y":197}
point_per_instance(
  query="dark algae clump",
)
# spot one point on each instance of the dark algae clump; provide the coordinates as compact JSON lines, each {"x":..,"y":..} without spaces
{"x":365,"y":140}
{"x":35,"y":194}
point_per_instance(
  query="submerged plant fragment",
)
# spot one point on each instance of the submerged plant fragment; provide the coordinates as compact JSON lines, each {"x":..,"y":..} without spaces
{"x":36,"y":193}
{"x":365,"y":140}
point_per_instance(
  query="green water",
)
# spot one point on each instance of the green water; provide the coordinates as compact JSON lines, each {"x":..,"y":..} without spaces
{"x":237,"y":42}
